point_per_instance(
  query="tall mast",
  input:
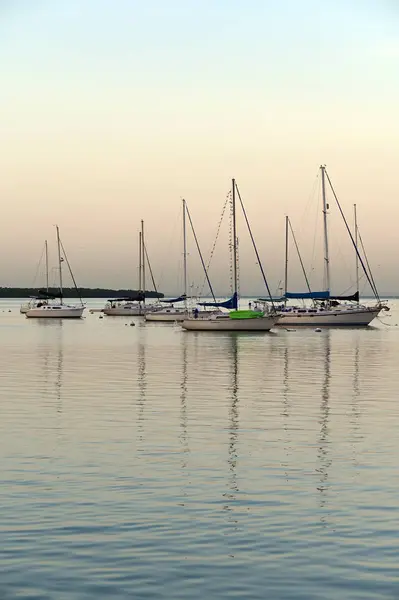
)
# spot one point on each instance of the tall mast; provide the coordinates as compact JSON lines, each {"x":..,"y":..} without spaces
{"x":325,"y":208}
{"x":59,"y":259}
{"x":143,"y":255}
{"x":140,"y":261}
{"x":233,"y":199}
{"x":184,"y":255}
{"x":357,"y":258}
{"x":286,"y":259}
{"x":46,"y":257}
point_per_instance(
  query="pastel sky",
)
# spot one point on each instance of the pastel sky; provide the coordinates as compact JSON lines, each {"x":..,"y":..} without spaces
{"x":111,"y":111}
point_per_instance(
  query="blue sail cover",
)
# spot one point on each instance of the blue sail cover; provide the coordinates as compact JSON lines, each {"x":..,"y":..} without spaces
{"x":280,"y":299}
{"x":232,"y":304}
{"x":308,"y":295}
{"x":172,"y":300}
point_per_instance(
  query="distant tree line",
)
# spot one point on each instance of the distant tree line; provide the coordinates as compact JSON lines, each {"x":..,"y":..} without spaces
{"x":7,"y":292}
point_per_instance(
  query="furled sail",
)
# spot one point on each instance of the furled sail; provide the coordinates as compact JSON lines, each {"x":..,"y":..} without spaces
{"x":276,"y":300}
{"x":354,"y":297}
{"x":173,"y":300}
{"x":43,"y":295}
{"x":308,"y":295}
{"x":231,"y":304}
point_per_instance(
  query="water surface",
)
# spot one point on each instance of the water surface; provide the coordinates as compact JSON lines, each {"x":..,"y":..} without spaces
{"x":148,"y":462}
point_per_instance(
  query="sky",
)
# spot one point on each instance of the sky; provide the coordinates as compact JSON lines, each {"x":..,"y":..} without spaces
{"x":113,"y":111}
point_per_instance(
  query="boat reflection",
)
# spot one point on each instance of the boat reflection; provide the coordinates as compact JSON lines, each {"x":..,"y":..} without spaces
{"x":230,"y":496}
{"x":323,"y":453}
{"x":142,"y":383}
{"x":183,"y":404}
{"x":51,"y":355}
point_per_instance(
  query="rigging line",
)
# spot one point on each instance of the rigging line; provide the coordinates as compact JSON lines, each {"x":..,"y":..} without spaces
{"x":315,"y":235}
{"x":38,"y":266}
{"x":168,"y":246}
{"x":149,"y":268}
{"x":310,"y":200}
{"x":300,"y":257}
{"x":370,"y":280}
{"x":200,"y":253}
{"x":216,"y":239}
{"x":368,"y":265}
{"x":231,"y":245}
{"x":350,"y":287}
{"x":255,"y":248}
{"x":70,"y":272}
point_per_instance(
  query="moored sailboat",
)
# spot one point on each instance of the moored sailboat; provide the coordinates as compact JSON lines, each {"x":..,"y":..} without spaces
{"x":235,"y":319}
{"x":42,"y":297}
{"x":327,"y":309}
{"x":57,"y":308}
{"x":171,"y":313}
{"x":134,"y":306}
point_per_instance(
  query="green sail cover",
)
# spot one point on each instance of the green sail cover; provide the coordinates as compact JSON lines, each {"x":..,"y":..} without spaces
{"x":245,"y":314}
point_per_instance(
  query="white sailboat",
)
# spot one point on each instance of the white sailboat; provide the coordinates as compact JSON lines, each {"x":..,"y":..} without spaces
{"x":56,"y":309}
{"x":179,"y":313}
{"x":235,"y":320}
{"x":326,"y":309}
{"x":172,"y":313}
{"x":40,"y":298}
{"x":132,"y":306}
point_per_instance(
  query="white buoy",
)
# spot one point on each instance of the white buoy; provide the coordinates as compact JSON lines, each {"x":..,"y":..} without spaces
{"x":318,"y":330}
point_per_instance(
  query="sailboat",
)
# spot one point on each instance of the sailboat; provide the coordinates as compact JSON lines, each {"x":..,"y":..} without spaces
{"x":235,"y":320}
{"x":58,"y":310}
{"x":180,"y":313}
{"x":41,"y":297}
{"x":132,"y":306}
{"x":172,"y":313}
{"x":326,"y":309}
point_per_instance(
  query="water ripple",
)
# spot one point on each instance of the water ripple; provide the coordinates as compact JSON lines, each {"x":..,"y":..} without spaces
{"x":148,"y":462}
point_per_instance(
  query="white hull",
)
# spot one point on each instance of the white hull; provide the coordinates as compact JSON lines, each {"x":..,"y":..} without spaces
{"x":56,"y":312}
{"x":330,"y":318}
{"x":171,"y":316}
{"x":227,"y":324}
{"x":120,"y":311}
{"x":165,"y":316}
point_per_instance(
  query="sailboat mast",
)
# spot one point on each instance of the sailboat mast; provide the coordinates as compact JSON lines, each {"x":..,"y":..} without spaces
{"x":59,"y":260}
{"x":356,"y":256}
{"x":46,"y":258}
{"x":140,"y":265}
{"x":143,"y":255}
{"x":286,"y":259}
{"x":233,"y":201}
{"x":325,"y":208}
{"x":184,"y":255}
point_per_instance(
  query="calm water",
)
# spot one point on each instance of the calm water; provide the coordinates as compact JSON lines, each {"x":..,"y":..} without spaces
{"x":145,"y":462}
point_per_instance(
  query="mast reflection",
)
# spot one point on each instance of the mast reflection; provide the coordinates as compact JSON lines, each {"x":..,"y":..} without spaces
{"x":323,"y":453}
{"x":142,"y":382}
{"x":286,"y":409}
{"x":52,"y":354}
{"x":230,"y":496}
{"x":183,"y":404}
{"x":233,"y":414}
{"x":355,"y":407}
